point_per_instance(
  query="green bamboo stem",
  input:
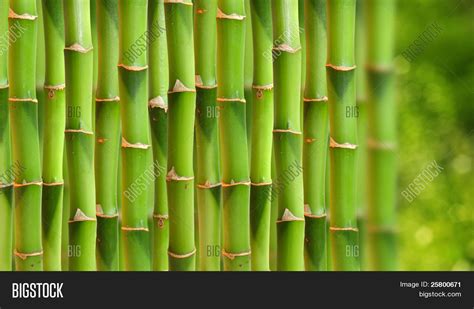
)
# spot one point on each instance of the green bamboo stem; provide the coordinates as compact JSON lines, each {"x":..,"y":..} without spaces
{"x":261,"y":141}
{"x":79,"y":135}
{"x":382,"y":165}
{"x":6,"y":180}
{"x":316,"y":130}
{"x":53,"y":143}
{"x":287,"y":134}
{"x":40,"y":75}
{"x":158,"y":107}
{"x":343,"y":133}
{"x":273,"y":220}
{"x":361,"y":114}
{"x":248,"y":75}
{"x":232,"y":134}
{"x":24,"y":126}
{"x":208,"y":174}
{"x":65,"y":216}
{"x":133,"y":87}
{"x":181,"y":96}
{"x":107,"y":141}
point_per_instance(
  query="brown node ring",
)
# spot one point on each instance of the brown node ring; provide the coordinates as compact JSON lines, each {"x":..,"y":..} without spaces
{"x":136,"y":229}
{"x":173,"y":176}
{"x":133,"y":68}
{"x":177,"y":2}
{"x":76,"y":47}
{"x":233,"y":16}
{"x":291,"y":131}
{"x":24,"y":256}
{"x":348,"y":229}
{"x":25,"y":184}
{"x":26,"y":16}
{"x":232,"y":256}
{"x":236,"y":183}
{"x":321,"y":99}
{"x":209,"y":185}
{"x":341,"y":68}
{"x":126,"y":144}
{"x":181,"y":256}
{"x":288,"y":216}
{"x":334,"y":144}
{"x":82,"y":131}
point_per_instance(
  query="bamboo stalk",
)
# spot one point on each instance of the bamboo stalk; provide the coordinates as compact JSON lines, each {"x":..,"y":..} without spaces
{"x":208,"y":174}
{"x":181,"y":96}
{"x":343,"y":139}
{"x":316,"y":131}
{"x":158,"y":107}
{"x":287,"y":135}
{"x":107,"y":141}
{"x":24,"y":126}
{"x":361,"y":114}
{"x":261,"y":141}
{"x":133,"y":87}
{"x":40,"y":75}
{"x":248,"y":75}
{"x":53,"y":144}
{"x":382,"y":135}
{"x":6,"y":180}
{"x":79,"y":135}
{"x":232,"y":134}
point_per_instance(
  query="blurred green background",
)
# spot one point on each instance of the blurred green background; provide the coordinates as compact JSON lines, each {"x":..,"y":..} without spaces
{"x":435,"y":100}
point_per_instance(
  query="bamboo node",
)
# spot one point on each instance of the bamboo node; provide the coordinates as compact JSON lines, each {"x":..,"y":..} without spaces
{"x":334,"y":144}
{"x":261,"y":184}
{"x":233,"y":16}
{"x":24,"y":256}
{"x":177,"y":2}
{"x":173,"y":176}
{"x":181,"y":256}
{"x":161,"y":219}
{"x":35,"y":101}
{"x":5,"y":185}
{"x":234,"y":183}
{"x":53,"y":184}
{"x":232,"y":256}
{"x":261,"y":88}
{"x":26,"y":16}
{"x":348,"y":229}
{"x":100,"y":213}
{"x":80,"y":217}
{"x":341,"y":68}
{"x":126,"y":144}
{"x":114,"y":99}
{"x":136,"y":229}
{"x":379,"y":68}
{"x":4,"y":86}
{"x":209,"y":185}
{"x":180,"y":87}
{"x":288,"y":216}
{"x":158,"y":102}
{"x":76,"y":47}
{"x":200,"y":84}
{"x":321,"y":99}
{"x":374,"y":144}
{"x":133,"y":68}
{"x":231,"y":100}
{"x":83,"y":131}
{"x":308,"y":213}
{"x":291,"y":131}
{"x":25,"y":184}
{"x":286,"y":48}
{"x":53,"y":88}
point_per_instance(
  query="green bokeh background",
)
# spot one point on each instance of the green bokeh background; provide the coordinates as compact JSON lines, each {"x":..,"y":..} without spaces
{"x":435,"y":100}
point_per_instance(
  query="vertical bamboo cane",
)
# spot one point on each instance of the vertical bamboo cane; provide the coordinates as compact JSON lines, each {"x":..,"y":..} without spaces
{"x":24,"y":126}
{"x":79,"y":135}
{"x":316,"y":130}
{"x":361,"y":114}
{"x":181,"y":115}
{"x":208,"y":174}
{"x":158,"y":108}
{"x":287,"y":135}
{"x":133,"y":87}
{"x":53,"y":143}
{"x":262,"y":122}
{"x":382,"y":135}
{"x":343,"y":133}
{"x":232,"y":133}
{"x":6,"y":180}
{"x":107,"y":135}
